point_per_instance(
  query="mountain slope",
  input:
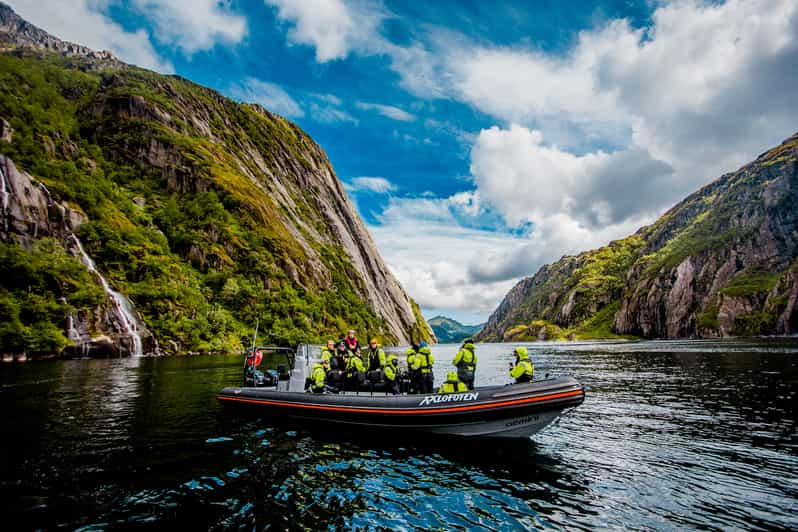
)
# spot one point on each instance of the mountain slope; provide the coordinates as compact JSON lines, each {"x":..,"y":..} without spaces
{"x":720,"y":263}
{"x":448,"y":330}
{"x":206,"y":213}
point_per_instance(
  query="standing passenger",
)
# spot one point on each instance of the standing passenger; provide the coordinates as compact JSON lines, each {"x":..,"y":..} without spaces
{"x":424,"y":362}
{"x":413,"y":373}
{"x":466,"y":362}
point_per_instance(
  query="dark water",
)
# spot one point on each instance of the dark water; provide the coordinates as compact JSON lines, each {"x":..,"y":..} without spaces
{"x":672,"y":435}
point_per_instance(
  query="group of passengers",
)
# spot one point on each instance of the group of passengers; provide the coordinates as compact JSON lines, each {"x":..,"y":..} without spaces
{"x":345,"y":365}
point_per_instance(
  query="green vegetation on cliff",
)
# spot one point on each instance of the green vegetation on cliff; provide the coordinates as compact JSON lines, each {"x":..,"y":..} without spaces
{"x":48,"y":283}
{"x":167,"y":175}
{"x":448,"y":330}
{"x":719,"y":263}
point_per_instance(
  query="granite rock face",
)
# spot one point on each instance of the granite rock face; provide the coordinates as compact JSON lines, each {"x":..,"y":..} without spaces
{"x":189,"y":140}
{"x":723,"y":262}
{"x":30,"y":213}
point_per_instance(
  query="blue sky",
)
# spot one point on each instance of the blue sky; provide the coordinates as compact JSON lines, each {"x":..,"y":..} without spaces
{"x":481,"y":140}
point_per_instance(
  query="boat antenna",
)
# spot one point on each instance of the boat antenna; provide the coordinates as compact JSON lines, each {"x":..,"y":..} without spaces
{"x":255,"y":336}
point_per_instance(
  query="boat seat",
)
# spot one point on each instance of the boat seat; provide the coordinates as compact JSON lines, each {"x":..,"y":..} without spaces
{"x":282,"y":372}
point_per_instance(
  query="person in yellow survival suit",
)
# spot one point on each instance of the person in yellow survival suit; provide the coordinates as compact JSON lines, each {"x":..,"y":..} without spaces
{"x":413,"y":373}
{"x":466,"y":362}
{"x":328,"y":351}
{"x":355,"y":371}
{"x":318,"y":378}
{"x":391,"y":372}
{"x":523,"y":370}
{"x":424,"y":362}
{"x":452,"y":384}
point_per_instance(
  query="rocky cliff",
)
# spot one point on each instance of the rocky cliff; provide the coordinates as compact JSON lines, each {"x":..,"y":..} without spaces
{"x":202,"y":213}
{"x":723,"y":262}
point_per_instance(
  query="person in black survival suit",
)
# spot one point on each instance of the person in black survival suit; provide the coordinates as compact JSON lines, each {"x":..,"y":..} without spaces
{"x":374,"y":356}
{"x":338,"y":360}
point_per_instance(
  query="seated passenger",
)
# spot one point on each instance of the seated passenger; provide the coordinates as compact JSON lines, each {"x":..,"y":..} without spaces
{"x":452,"y":384}
{"x":374,"y":356}
{"x":318,"y":378}
{"x":351,"y":341}
{"x":523,"y":371}
{"x":392,"y":375}
{"x":355,"y":371}
{"x":341,"y":355}
{"x":328,"y":351}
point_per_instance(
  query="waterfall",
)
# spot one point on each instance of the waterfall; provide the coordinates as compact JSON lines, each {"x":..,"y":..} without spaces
{"x":4,"y":194}
{"x":124,"y":309}
{"x":130,"y":324}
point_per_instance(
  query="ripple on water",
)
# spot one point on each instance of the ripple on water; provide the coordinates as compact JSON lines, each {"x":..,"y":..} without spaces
{"x":682,"y":435}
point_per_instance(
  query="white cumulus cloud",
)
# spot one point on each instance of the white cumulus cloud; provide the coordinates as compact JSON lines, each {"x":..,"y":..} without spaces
{"x":379,"y":185}
{"x":269,"y":95}
{"x":193,"y":25}
{"x":388,"y":111}
{"x":527,"y":180}
{"x":430,"y":253}
{"x":332,"y":27}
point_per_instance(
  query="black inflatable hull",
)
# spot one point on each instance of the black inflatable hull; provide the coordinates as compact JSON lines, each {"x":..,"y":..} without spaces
{"x":515,"y":411}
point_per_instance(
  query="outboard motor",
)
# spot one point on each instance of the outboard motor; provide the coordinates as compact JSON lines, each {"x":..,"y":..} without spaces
{"x":253,"y":377}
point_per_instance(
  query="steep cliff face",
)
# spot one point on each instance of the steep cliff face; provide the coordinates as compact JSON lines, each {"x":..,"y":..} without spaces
{"x":723,"y":262}
{"x":206,"y":213}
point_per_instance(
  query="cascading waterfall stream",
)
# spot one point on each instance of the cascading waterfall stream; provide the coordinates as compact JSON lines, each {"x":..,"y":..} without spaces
{"x":124,"y":309}
{"x":4,"y":193}
{"x":121,"y":303}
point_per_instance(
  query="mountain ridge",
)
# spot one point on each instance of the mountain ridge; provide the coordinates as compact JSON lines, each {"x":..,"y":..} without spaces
{"x":449,"y":330}
{"x":722,"y":262}
{"x":207,"y":213}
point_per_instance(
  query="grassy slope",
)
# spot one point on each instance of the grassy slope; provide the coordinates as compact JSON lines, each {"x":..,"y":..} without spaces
{"x":704,"y":222}
{"x":144,"y":235}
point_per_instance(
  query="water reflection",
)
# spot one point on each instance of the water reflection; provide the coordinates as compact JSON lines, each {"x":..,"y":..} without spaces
{"x":671,"y":435}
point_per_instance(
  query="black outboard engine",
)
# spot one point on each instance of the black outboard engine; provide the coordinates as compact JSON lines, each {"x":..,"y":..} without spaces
{"x":253,"y":377}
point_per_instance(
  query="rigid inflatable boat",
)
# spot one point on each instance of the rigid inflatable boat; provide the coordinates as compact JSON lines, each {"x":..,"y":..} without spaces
{"x":511,"y":411}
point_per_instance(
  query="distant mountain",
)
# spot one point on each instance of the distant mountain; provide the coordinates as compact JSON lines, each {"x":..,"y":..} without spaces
{"x":723,"y":262}
{"x":143,"y":208}
{"x":450,"y":331}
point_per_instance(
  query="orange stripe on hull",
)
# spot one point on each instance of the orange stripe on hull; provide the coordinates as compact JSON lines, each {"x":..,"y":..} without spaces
{"x":405,"y":411}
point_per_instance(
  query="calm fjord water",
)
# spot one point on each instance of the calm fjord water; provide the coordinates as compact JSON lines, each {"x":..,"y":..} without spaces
{"x":684,"y":434}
